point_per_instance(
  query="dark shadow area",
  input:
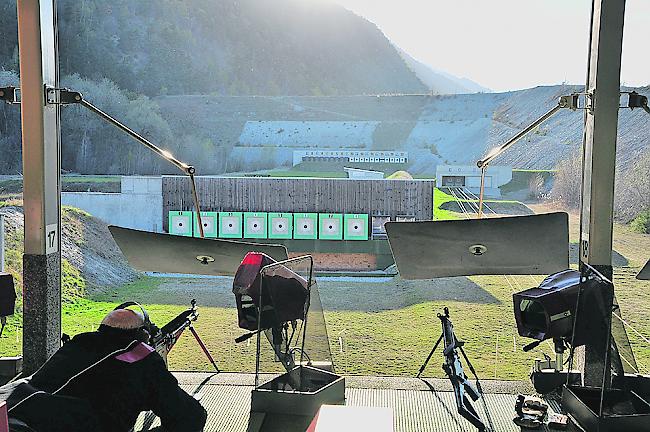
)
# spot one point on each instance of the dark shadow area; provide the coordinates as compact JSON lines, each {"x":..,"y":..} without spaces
{"x":618,"y":260}
{"x":337,"y":294}
{"x":398,"y":293}
{"x":452,"y":414}
{"x":505,"y":207}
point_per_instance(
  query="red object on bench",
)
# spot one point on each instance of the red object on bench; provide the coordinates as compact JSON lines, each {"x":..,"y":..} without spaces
{"x":338,"y":418}
{"x":4,"y":417}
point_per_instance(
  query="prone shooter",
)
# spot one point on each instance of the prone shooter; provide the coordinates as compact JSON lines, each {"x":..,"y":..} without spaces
{"x":102,"y":380}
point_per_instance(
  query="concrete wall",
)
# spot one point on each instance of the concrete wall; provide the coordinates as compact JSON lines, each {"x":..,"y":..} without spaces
{"x":317,"y":134}
{"x":138,"y":206}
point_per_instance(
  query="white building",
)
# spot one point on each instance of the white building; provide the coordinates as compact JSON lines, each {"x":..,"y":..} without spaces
{"x":367,"y":156}
{"x":469,"y":177}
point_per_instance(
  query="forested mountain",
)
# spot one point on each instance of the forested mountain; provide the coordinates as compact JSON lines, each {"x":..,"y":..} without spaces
{"x":231,"y":47}
{"x":120,"y":53}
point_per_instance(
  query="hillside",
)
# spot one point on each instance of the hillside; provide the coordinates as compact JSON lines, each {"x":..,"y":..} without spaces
{"x":256,"y":133}
{"x":240,"y":47}
{"x":121,"y":53}
{"x":238,"y":85}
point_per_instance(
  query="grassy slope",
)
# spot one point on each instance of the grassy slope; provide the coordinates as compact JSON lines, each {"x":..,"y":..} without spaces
{"x":439,"y":198}
{"x":391,"y":342}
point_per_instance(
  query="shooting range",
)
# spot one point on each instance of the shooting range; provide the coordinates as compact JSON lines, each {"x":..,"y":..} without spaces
{"x":389,"y":255}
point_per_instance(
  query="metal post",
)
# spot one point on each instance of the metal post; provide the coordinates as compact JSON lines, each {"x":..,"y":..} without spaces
{"x":197,"y":206}
{"x":37,"y":42}
{"x":482,"y":192}
{"x":599,"y":160}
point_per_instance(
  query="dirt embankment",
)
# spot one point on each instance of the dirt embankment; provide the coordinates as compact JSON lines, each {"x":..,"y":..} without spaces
{"x":86,"y":244}
{"x":340,"y":261}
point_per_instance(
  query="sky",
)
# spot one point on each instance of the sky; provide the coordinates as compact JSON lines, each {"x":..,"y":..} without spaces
{"x":507,"y":44}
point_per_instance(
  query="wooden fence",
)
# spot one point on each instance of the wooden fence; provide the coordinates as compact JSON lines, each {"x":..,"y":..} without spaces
{"x":301,"y":195}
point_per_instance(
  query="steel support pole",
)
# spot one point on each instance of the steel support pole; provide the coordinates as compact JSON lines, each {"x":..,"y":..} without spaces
{"x":37,"y":42}
{"x":599,"y":161}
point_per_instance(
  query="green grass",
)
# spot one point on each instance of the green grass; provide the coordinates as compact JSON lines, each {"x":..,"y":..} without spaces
{"x":498,"y":206}
{"x":70,"y":183}
{"x":387,"y":342}
{"x":391,"y":342}
{"x":326,"y":174}
{"x":439,"y":198}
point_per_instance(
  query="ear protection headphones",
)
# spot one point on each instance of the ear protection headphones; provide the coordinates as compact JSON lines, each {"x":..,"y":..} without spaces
{"x":148,"y":329}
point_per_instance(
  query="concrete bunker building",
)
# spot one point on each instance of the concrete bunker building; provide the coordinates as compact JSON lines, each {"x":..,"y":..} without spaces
{"x":469,"y":177}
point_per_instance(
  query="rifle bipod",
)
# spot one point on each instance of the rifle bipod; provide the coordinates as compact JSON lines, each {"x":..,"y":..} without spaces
{"x":166,"y":337}
{"x":454,"y":370}
{"x":204,"y":348}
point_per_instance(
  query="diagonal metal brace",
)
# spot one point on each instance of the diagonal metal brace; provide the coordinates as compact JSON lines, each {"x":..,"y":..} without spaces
{"x":63,"y":96}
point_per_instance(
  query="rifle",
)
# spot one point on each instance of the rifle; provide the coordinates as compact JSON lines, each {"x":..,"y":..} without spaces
{"x":167,"y":336}
{"x":464,"y":390}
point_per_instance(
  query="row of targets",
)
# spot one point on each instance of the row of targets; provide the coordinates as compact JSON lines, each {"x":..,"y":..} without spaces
{"x":251,"y":225}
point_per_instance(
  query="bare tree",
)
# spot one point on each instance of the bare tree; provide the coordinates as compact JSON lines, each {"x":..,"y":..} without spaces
{"x":633,"y":189}
{"x":536,"y":187}
{"x":567,"y":185}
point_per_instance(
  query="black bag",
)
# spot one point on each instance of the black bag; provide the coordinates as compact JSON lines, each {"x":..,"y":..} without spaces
{"x":7,"y":295}
{"x":284,"y":293}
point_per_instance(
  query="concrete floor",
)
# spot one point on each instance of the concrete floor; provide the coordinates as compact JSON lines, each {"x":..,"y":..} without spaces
{"x":418,"y":405}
